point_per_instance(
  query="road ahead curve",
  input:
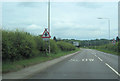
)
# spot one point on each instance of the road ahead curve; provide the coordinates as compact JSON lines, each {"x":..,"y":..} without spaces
{"x":88,"y":64}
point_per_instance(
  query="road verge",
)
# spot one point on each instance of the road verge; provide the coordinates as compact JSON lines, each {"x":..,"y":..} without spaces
{"x":29,"y":71}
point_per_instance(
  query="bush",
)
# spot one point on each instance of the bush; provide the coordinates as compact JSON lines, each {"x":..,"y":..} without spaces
{"x":25,"y":44}
{"x":20,"y":45}
{"x":110,"y":47}
{"x":40,"y":45}
{"x":8,"y":50}
{"x":64,"y":46}
{"x":53,"y":47}
{"x":17,"y":45}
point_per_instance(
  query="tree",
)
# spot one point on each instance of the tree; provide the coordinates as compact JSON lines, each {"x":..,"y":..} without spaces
{"x":54,"y":38}
{"x":117,"y":39}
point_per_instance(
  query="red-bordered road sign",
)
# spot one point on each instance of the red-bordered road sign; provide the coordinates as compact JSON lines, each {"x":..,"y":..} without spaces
{"x":45,"y":34}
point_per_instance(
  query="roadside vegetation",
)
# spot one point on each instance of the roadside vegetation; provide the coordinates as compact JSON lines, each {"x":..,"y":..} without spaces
{"x":108,"y":48}
{"x":104,"y":45}
{"x":21,"y":49}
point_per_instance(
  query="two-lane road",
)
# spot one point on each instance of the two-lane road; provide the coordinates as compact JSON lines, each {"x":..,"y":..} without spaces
{"x":88,"y":64}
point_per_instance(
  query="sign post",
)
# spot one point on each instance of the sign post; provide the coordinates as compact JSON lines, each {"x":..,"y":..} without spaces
{"x":46,"y":37}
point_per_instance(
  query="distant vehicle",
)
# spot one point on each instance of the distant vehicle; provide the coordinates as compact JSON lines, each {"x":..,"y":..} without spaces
{"x":76,"y":44}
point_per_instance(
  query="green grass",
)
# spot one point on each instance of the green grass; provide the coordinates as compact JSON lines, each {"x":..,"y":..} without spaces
{"x":17,"y":65}
{"x":108,"y":48}
{"x":104,"y":50}
{"x":108,"y":51}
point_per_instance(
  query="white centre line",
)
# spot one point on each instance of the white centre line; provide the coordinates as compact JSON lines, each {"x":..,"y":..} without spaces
{"x":112,"y":69}
{"x":96,"y":55}
{"x":109,"y":66}
{"x":100,"y":59}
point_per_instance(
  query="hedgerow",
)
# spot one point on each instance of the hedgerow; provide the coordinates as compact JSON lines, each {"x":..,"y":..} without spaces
{"x":18,"y":45}
{"x":109,"y":47}
{"x":65,"y":46}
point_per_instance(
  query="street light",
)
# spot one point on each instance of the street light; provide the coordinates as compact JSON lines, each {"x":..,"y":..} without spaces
{"x":108,"y":25}
{"x":49,"y":21}
{"x":49,"y":16}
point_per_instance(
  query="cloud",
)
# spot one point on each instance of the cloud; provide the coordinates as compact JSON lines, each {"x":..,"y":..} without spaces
{"x":75,"y":30}
{"x":60,"y":25}
{"x":91,"y":5}
{"x":28,"y":4}
{"x":34,"y":29}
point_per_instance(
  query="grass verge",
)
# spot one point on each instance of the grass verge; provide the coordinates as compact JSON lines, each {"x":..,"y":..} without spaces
{"x":17,"y":65}
{"x":108,"y":51}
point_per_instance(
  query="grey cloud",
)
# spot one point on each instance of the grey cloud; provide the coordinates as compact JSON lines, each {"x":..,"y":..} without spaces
{"x":91,"y":5}
{"x":28,"y":4}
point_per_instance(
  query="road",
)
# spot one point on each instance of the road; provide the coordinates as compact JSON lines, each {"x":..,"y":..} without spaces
{"x":88,"y":64}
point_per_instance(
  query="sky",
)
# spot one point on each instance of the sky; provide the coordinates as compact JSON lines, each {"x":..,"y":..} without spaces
{"x":68,"y":20}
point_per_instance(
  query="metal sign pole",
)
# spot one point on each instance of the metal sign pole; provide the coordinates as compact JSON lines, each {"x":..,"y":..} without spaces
{"x":46,"y":37}
{"x":45,"y":49}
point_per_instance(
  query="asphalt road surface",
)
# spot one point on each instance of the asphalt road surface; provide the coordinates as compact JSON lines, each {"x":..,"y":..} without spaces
{"x":88,"y":64}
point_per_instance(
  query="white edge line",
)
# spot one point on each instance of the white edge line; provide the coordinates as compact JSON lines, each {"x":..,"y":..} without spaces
{"x":112,"y":69}
{"x":100,"y":59}
{"x":96,"y":55}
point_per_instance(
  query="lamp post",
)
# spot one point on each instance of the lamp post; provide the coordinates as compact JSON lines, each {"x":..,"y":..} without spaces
{"x":49,"y":21}
{"x":108,"y":26}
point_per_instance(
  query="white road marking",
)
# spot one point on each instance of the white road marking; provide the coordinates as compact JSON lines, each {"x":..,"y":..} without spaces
{"x":96,"y":55}
{"x":91,"y":60}
{"x":82,"y":59}
{"x":109,"y":66}
{"x":112,"y":69}
{"x":86,"y":59}
{"x":76,"y":60}
{"x":100,"y":59}
{"x":73,"y":60}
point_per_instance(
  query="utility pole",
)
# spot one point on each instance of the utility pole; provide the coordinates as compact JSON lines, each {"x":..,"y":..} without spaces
{"x":49,"y":22}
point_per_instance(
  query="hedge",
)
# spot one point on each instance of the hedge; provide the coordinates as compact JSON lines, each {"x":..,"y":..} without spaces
{"x":18,"y":45}
{"x":64,"y":46}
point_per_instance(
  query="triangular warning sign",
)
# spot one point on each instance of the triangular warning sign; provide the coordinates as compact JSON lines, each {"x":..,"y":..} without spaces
{"x":46,"y":34}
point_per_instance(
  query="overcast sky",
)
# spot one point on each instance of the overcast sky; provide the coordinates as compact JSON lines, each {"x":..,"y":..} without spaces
{"x":73,"y":20}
